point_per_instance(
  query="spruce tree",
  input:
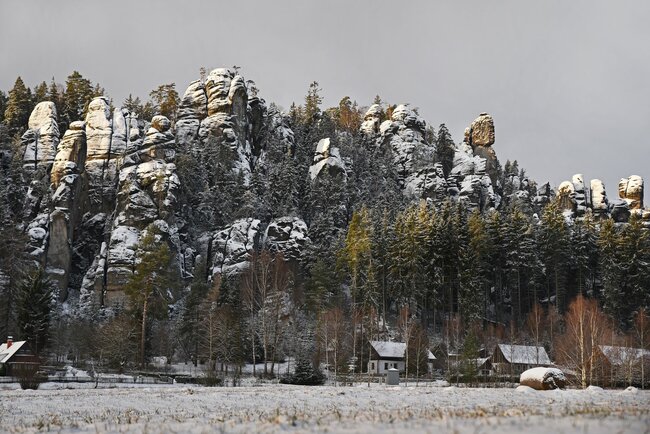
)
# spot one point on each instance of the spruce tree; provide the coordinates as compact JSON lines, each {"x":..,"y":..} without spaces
{"x":445,"y":149}
{"x":34,"y":309}
{"x":555,"y":249}
{"x":77,"y":95}
{"x":18,"y":107}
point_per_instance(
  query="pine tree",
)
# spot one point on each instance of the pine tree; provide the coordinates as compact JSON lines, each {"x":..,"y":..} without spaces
{"x":165,"y":100}
{"x":18,"y":107}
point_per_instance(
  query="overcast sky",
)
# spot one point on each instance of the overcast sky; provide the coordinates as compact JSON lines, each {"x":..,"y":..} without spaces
{"x":567,"y":81}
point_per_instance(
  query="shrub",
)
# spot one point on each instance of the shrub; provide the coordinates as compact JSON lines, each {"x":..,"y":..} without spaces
{"x":28,"y":375}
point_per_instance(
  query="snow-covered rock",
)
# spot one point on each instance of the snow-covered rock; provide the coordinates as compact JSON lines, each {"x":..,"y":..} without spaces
{"x":101,"y":163}
{"x":599,"y":202}
{"x":631,"y":191}
{"x":541,"y":378}
{"x":71,"y":153}
{"x":427,"y":183}
{"x":42,"y":137}
{"x":287,"y":235}
{"x":581,"y":195}
{"x":372,"y":120}
{"x":326,"y":159}
{"x":231,"y":247}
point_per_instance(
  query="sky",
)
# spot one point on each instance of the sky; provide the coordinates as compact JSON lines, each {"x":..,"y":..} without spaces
{"x":567,"y":82}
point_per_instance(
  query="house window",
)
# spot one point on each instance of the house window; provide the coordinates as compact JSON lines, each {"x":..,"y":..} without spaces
{"x":385,"y":365}
{"x":372,"y":365}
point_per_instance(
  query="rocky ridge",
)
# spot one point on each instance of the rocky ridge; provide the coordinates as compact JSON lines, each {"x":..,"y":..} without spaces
{"x":93,"y":194}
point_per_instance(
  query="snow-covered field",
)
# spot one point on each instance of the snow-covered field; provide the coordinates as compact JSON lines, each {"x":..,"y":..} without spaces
{"x":359,"y":409}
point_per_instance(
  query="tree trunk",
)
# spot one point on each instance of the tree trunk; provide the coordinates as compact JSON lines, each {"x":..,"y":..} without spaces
{"x":143,"y":330}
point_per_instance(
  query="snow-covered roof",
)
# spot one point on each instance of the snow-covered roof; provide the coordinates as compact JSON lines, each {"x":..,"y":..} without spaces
{"x":392,"y":349}
{"x":620,"y":355}
{"x":525,"y":354}
{"x":7,"y":353}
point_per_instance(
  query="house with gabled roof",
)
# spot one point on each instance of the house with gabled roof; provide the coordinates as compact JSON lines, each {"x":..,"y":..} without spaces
{"x":616,"y":365}
{"x":386,"y":355}
{"x":515,"y":359}
{"x":13,"y":354}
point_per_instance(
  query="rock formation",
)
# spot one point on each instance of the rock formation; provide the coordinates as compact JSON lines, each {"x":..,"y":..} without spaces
{"x":631,"y":191}
{"x":287,"y":235}
{"x":101,"y":160}
{"x":147,"y":192}
{"x":599,"y":202}
{"x":326,"y":160}
{"x":231,"y":247}
{"x":473,"y":176}
{"x":42,"y":137}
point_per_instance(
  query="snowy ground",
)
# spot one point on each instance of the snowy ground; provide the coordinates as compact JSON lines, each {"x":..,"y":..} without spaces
{"x":281,"y":408}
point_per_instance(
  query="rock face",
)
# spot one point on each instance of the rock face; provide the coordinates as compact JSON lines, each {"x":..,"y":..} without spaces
{"x":372,"y":121}
{"x":70,"y":154}
{"x":631,"y":191}
{"x":192,"y":109}
{"x":326,"y":159}
{"x":231,"y":247}
{"x":405,"y":134}
{"x":101,"y":161}
{"x":147,"y":195}
{"x":224,"y":130}
{"x":42,"y":137}
{"x":427,"y":183}
{"x":287,"y":235}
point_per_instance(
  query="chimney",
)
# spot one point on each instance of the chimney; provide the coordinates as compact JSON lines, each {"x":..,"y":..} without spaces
{"x":10,"y":341}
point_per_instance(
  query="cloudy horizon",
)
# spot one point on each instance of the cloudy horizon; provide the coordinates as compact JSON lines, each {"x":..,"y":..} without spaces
{"x":564,"y":81}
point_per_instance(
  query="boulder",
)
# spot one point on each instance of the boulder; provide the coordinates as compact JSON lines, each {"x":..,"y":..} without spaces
{"x":543,"y":378}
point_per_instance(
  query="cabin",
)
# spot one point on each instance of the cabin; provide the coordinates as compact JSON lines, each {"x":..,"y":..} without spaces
{"x":391,"y":355}
{"x":515,"y":359}
{"x":13,"y":355}
{"x":615,"y":365}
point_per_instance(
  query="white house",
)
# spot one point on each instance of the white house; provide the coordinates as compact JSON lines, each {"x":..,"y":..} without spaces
{"x":386,"y":355}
